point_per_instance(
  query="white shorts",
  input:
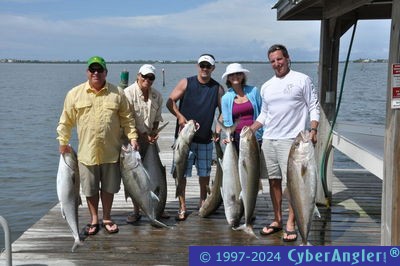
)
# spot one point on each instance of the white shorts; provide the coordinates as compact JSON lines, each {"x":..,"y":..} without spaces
{"x":276,"y":152}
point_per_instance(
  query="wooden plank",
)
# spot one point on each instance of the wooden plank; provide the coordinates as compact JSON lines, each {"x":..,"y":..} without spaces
{"x":353,"y":219}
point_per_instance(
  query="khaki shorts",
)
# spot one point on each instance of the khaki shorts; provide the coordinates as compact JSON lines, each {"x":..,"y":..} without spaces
{"x":276,"y":152}
{"x":104,"y":177}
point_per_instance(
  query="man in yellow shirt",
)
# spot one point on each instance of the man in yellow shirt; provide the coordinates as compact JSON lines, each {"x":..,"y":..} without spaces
{"x":98,"y":110}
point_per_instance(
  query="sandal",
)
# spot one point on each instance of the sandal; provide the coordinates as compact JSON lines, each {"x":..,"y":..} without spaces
{"x":181,"y":216}
{"x":274,"y":228}
{"x":288,"y":233}
{"x":133,"y":218}
{"x":110,"y":224}
{"x":89,"y":227}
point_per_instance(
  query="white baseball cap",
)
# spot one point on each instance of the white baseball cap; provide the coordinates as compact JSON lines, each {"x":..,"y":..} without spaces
{"x":147,"y":69}
{"x":206,"y":58}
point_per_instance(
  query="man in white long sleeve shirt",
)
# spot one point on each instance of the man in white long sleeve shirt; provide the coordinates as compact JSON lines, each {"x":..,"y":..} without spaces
{"x":289,"y":101}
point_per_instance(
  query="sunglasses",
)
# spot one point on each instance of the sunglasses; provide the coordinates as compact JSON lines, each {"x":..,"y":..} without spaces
{"x":96,"y":69}
{"x":205,"y":65}
{"x":148,"y":77}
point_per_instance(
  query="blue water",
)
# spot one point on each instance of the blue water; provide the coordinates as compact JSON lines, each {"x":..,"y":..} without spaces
{"x":31,"y":99}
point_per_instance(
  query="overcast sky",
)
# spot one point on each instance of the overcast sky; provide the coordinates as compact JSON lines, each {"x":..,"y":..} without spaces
{"x":167,"y":30}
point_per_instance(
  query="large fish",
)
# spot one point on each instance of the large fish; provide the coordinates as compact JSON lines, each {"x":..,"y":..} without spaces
{"x":68,"y":184}
{"x":157,"y":173}
{"x":181,"y":152}
{"x":231,"y":188}
{"x":249,"y":173}
{"x":302,"y":182}
{"x":214,"y":199}
{"x":137,"y":183}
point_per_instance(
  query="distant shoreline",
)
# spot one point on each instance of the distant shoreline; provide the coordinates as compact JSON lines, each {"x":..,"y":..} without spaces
{"x":13,"y":61}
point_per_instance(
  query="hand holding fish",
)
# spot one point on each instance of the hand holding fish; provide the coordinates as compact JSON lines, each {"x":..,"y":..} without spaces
{"x":134,"y":144}
{"x":152,"y":138}
{"x":64,"y":149}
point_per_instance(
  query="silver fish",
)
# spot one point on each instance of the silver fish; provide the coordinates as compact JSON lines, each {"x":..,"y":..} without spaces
{"x":68,"y":185}
{"x":181,"y":152}
{"x":157,"y":173}
{"x":214,"y":199}
{"x":249,"y":173}
{"x":302,"y":182}
{"x":137,"y":183}
{"x":231,"y":187}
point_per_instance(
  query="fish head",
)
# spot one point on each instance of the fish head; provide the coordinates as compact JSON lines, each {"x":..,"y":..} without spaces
{"x":129,"y":157}
{"x":246,"y":133}
{"x":189,"y":129}
{"x":302,"y":145}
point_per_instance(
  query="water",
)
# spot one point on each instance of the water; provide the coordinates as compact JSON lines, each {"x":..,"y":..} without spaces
{"x":31,"y":99}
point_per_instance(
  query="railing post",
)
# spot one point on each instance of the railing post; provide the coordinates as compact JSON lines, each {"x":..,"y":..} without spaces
{"x":7,"y":240}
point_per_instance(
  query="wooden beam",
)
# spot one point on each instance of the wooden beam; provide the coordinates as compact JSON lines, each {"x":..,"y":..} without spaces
{"x":339,"y":8}
{"x":328,"y":70}
{"x":390,"y":234}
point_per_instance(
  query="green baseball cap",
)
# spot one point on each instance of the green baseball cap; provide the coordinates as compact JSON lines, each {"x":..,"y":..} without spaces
{"x":97,"y":59}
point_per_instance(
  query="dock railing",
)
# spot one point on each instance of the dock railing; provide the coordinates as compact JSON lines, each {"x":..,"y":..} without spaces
{"x":363,"y":143}
{"x":7,"y":241}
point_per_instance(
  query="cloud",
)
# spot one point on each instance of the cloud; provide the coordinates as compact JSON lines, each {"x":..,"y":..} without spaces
{"x":230,"y":29}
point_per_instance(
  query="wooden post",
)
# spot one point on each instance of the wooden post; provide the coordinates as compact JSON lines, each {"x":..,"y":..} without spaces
{"x":390,"y":233}
{"x":327,"y":83}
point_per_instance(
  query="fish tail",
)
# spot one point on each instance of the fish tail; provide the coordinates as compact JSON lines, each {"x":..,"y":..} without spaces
{"x":76,"y":244}
{"x":247,"y":228}
{"x":157,"y":223}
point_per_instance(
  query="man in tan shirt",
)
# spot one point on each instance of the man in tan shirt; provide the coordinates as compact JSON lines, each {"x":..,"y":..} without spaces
{"x":146,"y":106}
{"x":98,"y":110}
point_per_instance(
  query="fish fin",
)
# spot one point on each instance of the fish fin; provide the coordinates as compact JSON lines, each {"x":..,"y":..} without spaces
{"x":222,"y":192}
{"x":286,"y":193}
{"x":79,"y":200}
{"x":260,"y":185}
{"x":154,"y":197}
{"x":126,"y":195}
{"x":155,"y":132}
{"x":62,"y":212}
{"x":316,"y":212}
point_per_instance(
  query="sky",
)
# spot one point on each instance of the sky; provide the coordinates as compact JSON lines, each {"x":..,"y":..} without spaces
{"x":231,"y":30}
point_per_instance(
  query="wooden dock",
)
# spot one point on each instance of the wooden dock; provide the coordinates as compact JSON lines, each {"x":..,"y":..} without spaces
{"x":353,"y":219}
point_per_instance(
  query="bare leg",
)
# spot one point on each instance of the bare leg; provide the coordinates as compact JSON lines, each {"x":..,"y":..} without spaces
{"x":93,"y":206}
{"x":204,"y":182}
{"x":275,"y":189}
{"x":290,"y":224}
{"x":107,"y":200}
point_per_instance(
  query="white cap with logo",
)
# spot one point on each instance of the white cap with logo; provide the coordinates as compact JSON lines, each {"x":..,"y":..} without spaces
{"x":206,"y":58}
{"x":147,"y":69}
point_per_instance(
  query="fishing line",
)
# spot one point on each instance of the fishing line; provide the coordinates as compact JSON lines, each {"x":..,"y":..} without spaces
{"x":328,"y":147}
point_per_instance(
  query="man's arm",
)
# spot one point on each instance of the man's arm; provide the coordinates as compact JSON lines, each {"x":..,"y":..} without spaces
{"x":177,"y":94}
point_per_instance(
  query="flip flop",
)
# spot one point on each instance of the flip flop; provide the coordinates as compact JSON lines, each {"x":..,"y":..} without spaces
{"x":91,"y":226}
{"x":274,"y":228}
{"x":181,"y":216}
{"x":288,"y":233}
{"x":110,"y":223}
